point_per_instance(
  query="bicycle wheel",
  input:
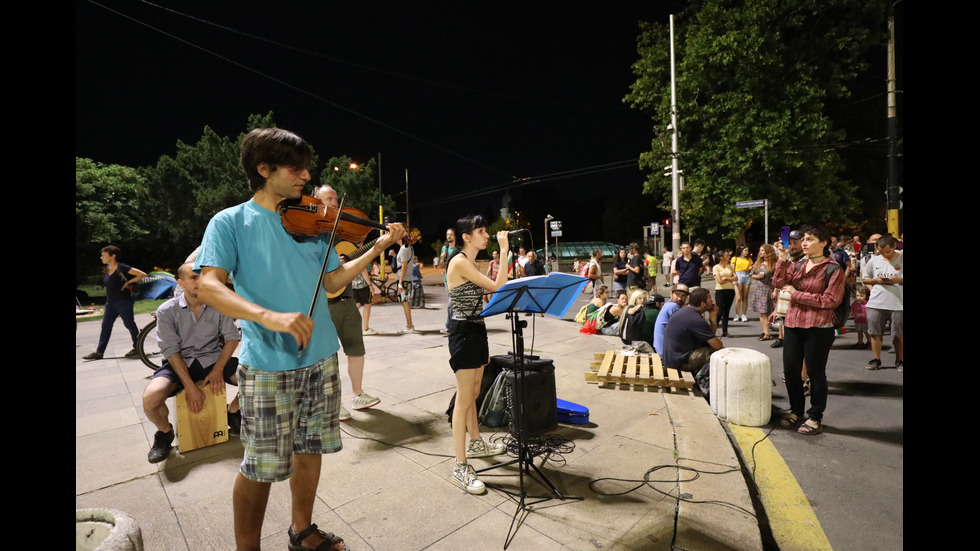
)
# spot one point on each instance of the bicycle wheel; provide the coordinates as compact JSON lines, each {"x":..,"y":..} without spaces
{"x":147,"y":347}
{"x":392,"y":291}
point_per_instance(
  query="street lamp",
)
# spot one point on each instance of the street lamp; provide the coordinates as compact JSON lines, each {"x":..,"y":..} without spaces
{"x":546,"y":257}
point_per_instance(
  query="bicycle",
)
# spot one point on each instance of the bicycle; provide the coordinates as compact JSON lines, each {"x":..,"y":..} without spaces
{"x":389,"y":289}
{"x":147,"y":347}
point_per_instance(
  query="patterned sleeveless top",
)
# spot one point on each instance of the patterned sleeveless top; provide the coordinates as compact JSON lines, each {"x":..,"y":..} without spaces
{"x":467,"y":302}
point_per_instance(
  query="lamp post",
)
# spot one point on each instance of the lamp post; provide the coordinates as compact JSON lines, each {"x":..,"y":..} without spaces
{"x":547,"y":218}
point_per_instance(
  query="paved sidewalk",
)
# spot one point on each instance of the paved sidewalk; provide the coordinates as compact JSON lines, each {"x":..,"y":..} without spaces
{"x":389,"y":488}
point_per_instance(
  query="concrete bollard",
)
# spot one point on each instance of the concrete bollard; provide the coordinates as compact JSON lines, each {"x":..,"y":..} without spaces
{"x":741,"y":386}
{"x":106,"y":530}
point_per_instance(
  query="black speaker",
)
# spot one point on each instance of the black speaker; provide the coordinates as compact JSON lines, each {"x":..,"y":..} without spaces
{"x":540,"y":398}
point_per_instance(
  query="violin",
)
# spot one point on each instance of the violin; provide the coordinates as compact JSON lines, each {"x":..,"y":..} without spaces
{"x":309,"y":216}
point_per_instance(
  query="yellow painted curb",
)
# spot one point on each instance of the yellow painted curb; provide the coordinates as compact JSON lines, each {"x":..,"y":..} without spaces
{"x":793,"y":522}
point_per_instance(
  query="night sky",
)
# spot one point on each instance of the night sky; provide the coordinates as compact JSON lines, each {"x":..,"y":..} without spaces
{"x":466,"y":96}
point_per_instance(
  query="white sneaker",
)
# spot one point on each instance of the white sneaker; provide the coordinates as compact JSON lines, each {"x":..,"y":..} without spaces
{"x":480,"y":448}
{"x":369,"y":331}
{"x":408,"y":330}
{"x":465,"y":477}
{"x":344,"y":414}
{"x":364,"y":401}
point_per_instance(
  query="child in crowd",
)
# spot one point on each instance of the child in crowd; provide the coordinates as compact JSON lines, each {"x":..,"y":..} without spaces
{"x":417,"y":299}
{"x":860,"y":315}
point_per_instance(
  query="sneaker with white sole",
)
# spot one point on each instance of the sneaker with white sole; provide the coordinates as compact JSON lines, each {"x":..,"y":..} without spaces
{"x":344,"y":414}
{"x":874,"y":364}
{"x":465,"y":477}
{"x":365,"y":400}
{"x":408,"y":330}
{"x":480,"y":448}
{"x":368,"y":332}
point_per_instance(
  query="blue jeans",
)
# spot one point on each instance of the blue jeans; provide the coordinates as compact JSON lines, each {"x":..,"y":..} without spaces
{"x":117,"y":309}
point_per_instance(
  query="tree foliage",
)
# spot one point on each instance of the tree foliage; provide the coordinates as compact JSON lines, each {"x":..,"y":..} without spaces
{"x":185,"y":191}
{"x":106,"y":213}
{"x":757,"y":81}
{"x":359,"y":184}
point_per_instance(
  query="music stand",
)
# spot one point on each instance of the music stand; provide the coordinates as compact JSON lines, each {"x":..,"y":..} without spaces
{"x":551,"y":294}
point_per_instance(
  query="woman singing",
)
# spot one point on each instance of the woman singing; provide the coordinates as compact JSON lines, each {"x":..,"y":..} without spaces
{"x":808,"y":330}
{"x":468,"y":346}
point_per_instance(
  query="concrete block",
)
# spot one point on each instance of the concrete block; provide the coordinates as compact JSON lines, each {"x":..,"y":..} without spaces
{"x":741,"y":386}
{"x":106,"y":530}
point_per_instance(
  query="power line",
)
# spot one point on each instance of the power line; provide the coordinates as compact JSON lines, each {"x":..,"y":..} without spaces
{"x":520,"y":182}
{"x":307,"y":93}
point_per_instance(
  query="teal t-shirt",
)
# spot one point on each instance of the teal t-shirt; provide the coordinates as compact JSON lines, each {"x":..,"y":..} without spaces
{"x":277,"y":272}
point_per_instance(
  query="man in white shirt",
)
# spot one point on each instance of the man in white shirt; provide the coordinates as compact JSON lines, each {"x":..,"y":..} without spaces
{"x":885,"y":273}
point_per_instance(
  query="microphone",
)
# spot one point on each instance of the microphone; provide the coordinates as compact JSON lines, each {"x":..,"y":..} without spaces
{"x":510,"y":235}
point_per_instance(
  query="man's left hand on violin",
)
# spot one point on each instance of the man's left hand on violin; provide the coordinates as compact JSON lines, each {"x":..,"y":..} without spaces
{"x":395,"y":234}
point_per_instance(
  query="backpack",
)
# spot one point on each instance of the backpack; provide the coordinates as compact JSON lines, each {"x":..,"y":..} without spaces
{"x":630,"y":326}
{"x":595,"y":321}
{"x":491,"y":373}
{"x":494,"y":412}
{"x":843,"y":308}
{"x":580,"y":317}
{"x":584,"y":269}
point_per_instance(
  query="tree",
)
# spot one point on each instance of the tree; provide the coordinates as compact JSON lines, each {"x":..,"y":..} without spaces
{"x":105,"y":213}
{"x":757,"y":86}
{"x":359,"y":184}
{"x":185,"y":191}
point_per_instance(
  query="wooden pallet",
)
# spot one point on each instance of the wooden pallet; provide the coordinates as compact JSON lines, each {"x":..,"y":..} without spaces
{"x":614,"y":367}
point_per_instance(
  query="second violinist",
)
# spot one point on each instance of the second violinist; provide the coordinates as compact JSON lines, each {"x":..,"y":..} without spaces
{"x":288,"y":369}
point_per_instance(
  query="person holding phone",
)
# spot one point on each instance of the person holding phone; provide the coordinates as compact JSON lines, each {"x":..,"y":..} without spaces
{"x":885,"y":274}
{"x":808,"y":326}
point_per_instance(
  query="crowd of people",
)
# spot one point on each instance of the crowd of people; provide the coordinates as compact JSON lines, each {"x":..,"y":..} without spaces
{"x":806,"y":289}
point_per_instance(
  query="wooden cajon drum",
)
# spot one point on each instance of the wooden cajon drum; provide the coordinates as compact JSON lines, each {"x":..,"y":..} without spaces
{"x":203,"y":429}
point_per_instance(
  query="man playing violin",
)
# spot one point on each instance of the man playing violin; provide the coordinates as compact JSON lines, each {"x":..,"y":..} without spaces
{"x":347,"y":319}
{"x":289,"y":387}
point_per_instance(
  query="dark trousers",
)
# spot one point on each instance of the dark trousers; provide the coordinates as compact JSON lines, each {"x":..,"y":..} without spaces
{"x":813,"y":345}
{"x":117,"y":309}
{"x":724,"y":298}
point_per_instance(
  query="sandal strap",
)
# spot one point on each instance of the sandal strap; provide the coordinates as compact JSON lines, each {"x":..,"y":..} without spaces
{"x":298,"y":538}
{"x":331,"y":538}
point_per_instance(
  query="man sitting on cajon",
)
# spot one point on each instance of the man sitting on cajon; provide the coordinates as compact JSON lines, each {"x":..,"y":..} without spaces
{"x":189,"y":333}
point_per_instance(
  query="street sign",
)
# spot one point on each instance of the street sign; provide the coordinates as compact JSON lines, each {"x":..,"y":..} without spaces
{"x":556,"y":233}
{"x":555,"y":224}
{"x":750,"y":204}
{"x":654,"y":228}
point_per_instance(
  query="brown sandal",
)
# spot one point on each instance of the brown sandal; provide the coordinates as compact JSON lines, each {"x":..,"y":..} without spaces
{"x":790,"y":421}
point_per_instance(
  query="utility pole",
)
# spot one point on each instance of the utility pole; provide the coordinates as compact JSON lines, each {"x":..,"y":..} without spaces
{"x":381,"y":220}
{"x":893,"y":203}
{"x":675,"y":173}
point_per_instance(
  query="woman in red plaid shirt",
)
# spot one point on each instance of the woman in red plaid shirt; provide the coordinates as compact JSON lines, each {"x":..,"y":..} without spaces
{"x":808,"y":330}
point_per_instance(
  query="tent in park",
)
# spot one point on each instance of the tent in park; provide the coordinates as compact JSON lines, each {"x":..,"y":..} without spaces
{"x":157,"y":284}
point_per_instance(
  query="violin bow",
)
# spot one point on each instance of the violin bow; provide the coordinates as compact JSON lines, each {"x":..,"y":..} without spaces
{"x":326,"y":259}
